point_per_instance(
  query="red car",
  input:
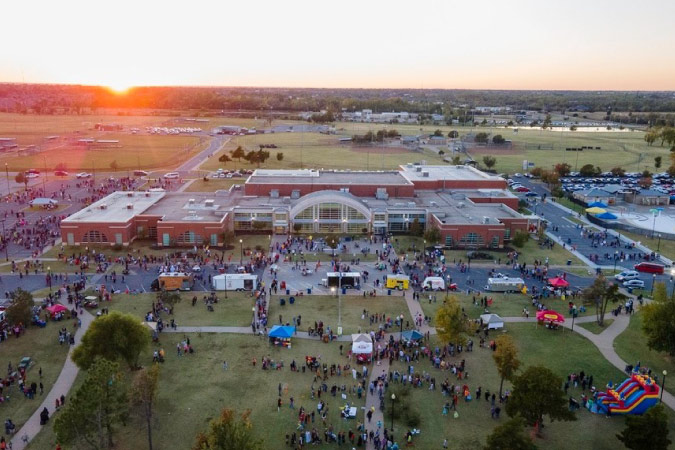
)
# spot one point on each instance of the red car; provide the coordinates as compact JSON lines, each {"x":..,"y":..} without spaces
{"x":522,"y":189}
{"x":649,"y":267}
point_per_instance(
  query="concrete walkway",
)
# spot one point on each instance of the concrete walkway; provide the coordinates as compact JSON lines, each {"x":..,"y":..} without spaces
{"x":61,"y":387}
{"x":373,"y":401}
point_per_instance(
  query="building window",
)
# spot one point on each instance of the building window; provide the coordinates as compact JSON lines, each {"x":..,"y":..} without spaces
{"x":396,"y":226}
{"x":356,"y":227}
{"x":242,"y":226}
{"x":353,"y":214}
{"x":118,"y":238}
{"x":281,"y":216}
{"x":94,"y":236}
{"x":330,"y":211}
{"x":189,"y":237}
{"x":495,"y":242}
{"x":71,"y":239}
{"x":471,"y":239}
{"x":379,"y":217}
{"x":507,"y":233}
{"x":329,"y":228}
{"x":214,"y":239}
{"x":166,"y":239}
{"x":307,"y":213}
{"x":152,"y":232}
{"x":448,"y":241}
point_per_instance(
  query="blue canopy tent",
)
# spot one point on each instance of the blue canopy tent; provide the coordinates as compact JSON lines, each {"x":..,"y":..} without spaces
{"x":606,"y":216}
{"x":412,"y":335}
{"x":281,"y":335}
{"x":597,"y":205}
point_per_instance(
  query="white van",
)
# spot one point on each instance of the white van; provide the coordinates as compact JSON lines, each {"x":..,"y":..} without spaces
{"x":433,"y":284}
{"x":626,"y":275}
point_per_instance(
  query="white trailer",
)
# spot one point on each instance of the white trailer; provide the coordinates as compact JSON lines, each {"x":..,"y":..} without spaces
{"x":433,"y":284}
{"x":234,"y":282}
{"x":506,"y":284}
{"x":348,"y":280}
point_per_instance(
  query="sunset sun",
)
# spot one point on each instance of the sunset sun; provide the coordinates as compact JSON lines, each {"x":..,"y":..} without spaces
{"x":119,"y":88}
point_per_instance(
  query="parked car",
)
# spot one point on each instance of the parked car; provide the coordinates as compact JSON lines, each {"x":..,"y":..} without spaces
{"x":530,"y":194}
{"x":171,"y":175}
{"x":648,"y":267}
{"x":83,"y":175}
{"x":35,"y":171}
{"x":140,"y":173}
{"x":634,"y":284}
{"x":522,"y":189}
{"x":30,"y":175}
{"x":60,"y":173}
{"x":627,"y":275}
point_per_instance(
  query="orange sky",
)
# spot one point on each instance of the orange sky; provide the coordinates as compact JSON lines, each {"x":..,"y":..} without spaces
{"x":521,"y":44}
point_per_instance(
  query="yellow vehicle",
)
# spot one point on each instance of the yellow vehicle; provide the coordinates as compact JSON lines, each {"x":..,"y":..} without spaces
{"x":398,"y":281}
{"x":174,"y":281}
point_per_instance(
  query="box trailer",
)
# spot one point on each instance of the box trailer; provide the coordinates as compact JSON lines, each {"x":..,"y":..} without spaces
{"x":173,"y":281}
{"x":343,"y":280}
{"x":433,"y":284}
{"x":234,"y":282}
{"x":504,"y":284}
{"x":398,"y":281}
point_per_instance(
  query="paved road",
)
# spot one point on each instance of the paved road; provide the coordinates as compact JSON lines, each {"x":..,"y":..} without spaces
{"x":193,"y":163}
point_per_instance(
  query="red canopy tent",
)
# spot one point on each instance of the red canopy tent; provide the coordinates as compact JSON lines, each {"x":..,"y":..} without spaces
{"x":548,"y":315}
{"x":56,"y":309}
{"x":558,"y":282}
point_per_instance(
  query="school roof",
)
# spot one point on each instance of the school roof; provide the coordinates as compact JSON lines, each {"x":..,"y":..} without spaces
{"x":415,"y":172}
{"x":342,"y":177}
{"x":118,"y":207}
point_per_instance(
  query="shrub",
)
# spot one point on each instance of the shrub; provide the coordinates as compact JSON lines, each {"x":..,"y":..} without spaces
{"x":520,"y":238}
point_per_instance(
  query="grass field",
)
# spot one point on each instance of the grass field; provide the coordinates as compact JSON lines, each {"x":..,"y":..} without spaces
{"x":42,"y":346}
{"x":315,"y":308}
{"x":563,"y":353}
{"x":212,"y":185}
{"x":313,"y":150}
{"x":593,"y":327}
{"x":631,"y":346}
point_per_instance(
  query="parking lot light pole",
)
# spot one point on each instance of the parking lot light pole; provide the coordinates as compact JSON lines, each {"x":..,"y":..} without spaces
{"x":393,"y":397}
{"x":5,"y":240}
{"x":616,"y":256}
{"x":7,"y":175}
{"x":49,"y":279}
{"x":653,"y":281}
{"x":400,"y":336}
{"x":241,"y":252}
{"x":663,"y":383}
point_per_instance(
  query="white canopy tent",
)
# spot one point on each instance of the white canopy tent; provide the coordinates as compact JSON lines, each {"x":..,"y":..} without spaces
{"x":492,"y":321}
{"x":362,"y":345}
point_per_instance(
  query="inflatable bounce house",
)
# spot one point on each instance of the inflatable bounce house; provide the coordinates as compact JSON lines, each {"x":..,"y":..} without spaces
{"x":634,"y":396}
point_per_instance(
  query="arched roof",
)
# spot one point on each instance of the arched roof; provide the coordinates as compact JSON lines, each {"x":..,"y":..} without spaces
{"x":328,"y":196}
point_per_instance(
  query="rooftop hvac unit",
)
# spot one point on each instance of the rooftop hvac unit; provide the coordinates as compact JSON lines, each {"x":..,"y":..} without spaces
{"x":192,"y":213}
{"x":381,"y":194}
{"x":345,"y":190}
{"x":130,"y":194}
{"x":147,"y":194}
{"x":461,"y":205}
{"x":423,"y":162}
{"x":287,"y":200}
{"x":295,"y":193}
{"x":425,"y":174}
{"x":418,"y":169}
{"x":209,"y":203}
{"x":191,"y":201}
{"x":411,"y":204}
{"x":433,"y":203}
{"x":486,"y":220}
{"x":274,"y":193}
{"x":409,"y":165}
{"x":104,"y":206}
{"x":130,"y":206}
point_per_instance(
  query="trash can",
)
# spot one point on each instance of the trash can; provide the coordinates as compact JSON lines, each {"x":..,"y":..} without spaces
{"x":569,"y":262}
{"x":344,"y":291}
{"x":288,"y":292}
{"x":291,"y":300}
{"x":309,"y":290}
{"x":388,"y":291}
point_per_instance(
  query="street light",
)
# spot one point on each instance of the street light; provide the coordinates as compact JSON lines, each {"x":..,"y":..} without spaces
{"x":400,"y":337}
{"x":241,"y":254}
{"x":49,"y":279}
{"x":393,"y":397}
{"x":653,"y":281}
{"x":7,"y":174}
{"x":5,"y":241}
{"x":663,"y":383}
{"x":616,"y":256}
{"x":658,"y":247}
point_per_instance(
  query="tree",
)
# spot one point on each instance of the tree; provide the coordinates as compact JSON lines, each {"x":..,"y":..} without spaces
{"x":651,"y":136}
{"x":657,"y":161}
{"x":143,"y":395}
{"x":21,"y":178}
{"x":238,"y":153}
{"x":489,"y":161}
{"x":456,"y":160}
{"x":453,"y":134}
{"x":114,"y":166}
{"x":658,"y":321}
{"x":506,"y":359}
{"x":481,"y":138}
{"x":645,"y":182}
{"x":416,"y":228}
{"x":510,"y":436}
{"x":112,"y":336}
{"x":649,"y":430}
{"x":224,"y":158}
{"x":98,"y":405}
{"x":536,"y":393}
{"x":297,"y":227}
{"x":519,"y":238}
{"x":438,"y":133}
{"x":21,"y":308}
{"x":280,"y":156}
{"x":547,"y":122}
{"x":229,"y":432}
{"x":562,"y":169}
{"x":169,"y":297}
{"x":573,"y":128}
{"x":618,"y":171}
{"x":498,"y":139}
{"x":432,"y":235}
{"x":451,"y":323}
{"x":587,"y":170}
{"x":441,"y":152}
{"x":601,"y":293}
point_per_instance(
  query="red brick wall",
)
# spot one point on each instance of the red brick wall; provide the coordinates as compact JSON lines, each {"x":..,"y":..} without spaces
{"x":459,"y":184}
{"x":508,"y":201}
{"x":127,"y":230}
{"x":261,"y":189}
{"x":175,"y":229}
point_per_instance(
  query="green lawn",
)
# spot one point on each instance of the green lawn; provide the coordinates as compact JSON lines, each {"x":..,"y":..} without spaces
{"x":666,"y":247}
{"x":562,"y":352}
{"x":42,"y":346}
{"x":193,"y":389}
{"x":235,"y":310}
{"x":320,"y":151}
{"x":631,"y":346}
{"x":573,"y":206}
{"x":594,"y":328}
{"x":315,"y":308}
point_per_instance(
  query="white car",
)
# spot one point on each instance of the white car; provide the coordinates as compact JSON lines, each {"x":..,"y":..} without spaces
{"x":634,"y":284}
{"x":627,"y":275}
{"x":83,"y":175}
{"x":32,"y":175}
{"x":171,"y":175}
